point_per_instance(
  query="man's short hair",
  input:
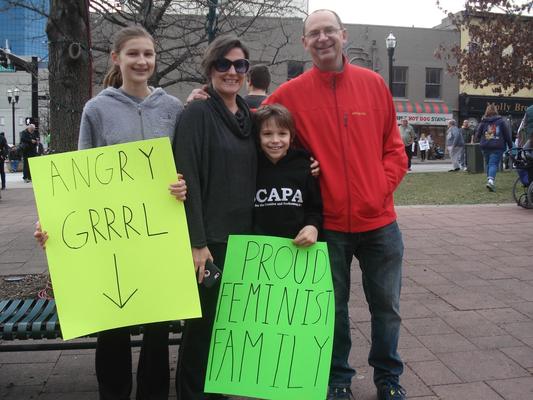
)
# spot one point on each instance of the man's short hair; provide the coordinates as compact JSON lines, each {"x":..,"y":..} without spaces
{"x":259,"y":76}
{"x":322,"y":10}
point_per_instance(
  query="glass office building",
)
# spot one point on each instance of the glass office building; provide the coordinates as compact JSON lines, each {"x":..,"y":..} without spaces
{"x":25,"y":29}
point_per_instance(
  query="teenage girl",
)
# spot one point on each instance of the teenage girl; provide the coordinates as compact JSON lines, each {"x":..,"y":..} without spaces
{"x":129,"y":110}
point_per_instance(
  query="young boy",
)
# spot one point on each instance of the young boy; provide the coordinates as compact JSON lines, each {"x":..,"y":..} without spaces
{"x":287,"y":201}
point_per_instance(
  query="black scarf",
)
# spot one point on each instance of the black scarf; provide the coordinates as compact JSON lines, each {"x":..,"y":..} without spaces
{"x":241,"y":123}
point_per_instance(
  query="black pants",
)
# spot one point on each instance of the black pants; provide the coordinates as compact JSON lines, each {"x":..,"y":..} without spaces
{"x":409,"y":152}
{"x":196,"y":338}
{"x":2,"y":173}
{"x":113,"y":364}
{"x":423,"y":155}
{"x":26,"y":174}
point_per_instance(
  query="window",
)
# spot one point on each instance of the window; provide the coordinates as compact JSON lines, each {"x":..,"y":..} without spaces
{"x":2,"y":121}
{"x":399,"y":82}
{"x":433,"y":83}
{"x":294,"y":68}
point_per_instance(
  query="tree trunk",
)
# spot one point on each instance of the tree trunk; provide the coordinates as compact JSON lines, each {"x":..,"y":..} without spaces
{"x":70,"y":78}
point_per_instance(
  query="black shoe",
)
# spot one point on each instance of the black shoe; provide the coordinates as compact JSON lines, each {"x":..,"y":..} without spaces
{"x":340,"y":393}
{"x":391,"y":391}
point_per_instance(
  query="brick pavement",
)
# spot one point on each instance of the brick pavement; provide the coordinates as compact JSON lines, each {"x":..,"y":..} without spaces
{"x":467,"y":307}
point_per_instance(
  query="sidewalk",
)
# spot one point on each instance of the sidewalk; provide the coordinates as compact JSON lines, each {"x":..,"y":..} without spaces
{"x":467,"y":308}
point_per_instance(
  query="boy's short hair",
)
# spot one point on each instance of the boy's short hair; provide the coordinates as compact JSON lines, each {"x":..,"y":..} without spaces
{"x":259,"y":76}
{"x":278,"y":113}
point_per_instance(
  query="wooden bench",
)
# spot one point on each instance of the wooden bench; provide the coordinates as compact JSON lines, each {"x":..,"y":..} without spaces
{"x":21,"y":320}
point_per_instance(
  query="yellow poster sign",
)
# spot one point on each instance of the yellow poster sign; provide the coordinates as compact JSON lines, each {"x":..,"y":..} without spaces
{"x":118,"y":249}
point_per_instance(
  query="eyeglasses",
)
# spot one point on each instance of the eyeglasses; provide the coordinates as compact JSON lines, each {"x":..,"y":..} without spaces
{"x":328,"y":31}
{"x":223,"y":65}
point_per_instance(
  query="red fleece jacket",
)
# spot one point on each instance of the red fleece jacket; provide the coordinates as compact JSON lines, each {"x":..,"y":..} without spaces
{"x":347,"y":120}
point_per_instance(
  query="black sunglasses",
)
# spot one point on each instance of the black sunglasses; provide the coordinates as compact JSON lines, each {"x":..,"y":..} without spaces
{"x":223,"y":65}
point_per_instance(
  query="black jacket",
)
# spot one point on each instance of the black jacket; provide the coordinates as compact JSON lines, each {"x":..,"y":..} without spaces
{"x":26,"y":145}
{"x":3,"y":147}
{"x":287,"y":196}
{"x":217,"y":156}
{"x":493,"y":134}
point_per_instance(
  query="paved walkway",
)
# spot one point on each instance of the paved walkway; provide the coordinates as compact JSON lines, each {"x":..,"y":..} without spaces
{"x":467,"y":307}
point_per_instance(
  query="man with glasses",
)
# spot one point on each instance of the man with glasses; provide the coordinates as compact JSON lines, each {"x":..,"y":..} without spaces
{"x":347,"y":120}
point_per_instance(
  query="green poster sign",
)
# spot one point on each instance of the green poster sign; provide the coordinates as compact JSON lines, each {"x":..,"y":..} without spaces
{"x":273,"y":331}
{"x":118,"y":249}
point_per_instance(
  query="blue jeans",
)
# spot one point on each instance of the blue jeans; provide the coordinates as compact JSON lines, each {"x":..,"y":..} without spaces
{"x":493,"y":159}
{"x":380,"y":254}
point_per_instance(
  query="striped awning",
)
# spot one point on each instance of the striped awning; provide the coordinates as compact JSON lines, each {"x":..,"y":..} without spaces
{"x":427,"y":107}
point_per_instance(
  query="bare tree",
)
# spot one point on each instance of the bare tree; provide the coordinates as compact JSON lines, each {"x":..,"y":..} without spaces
{"x":499,"y":53}
{"x":79,"y":35}
{"x":181,"y":29}
{"x":69,"y":70}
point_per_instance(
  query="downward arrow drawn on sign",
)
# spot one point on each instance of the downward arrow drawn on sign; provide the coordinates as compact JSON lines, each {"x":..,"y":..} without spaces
{"x":119,"y":304}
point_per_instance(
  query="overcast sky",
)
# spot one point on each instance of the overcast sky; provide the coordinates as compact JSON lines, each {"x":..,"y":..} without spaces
{"x":419,"y":13}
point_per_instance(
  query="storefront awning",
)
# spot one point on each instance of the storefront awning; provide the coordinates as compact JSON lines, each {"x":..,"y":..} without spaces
{"x":426,"y":113}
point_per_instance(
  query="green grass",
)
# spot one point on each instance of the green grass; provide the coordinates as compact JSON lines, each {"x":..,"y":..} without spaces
{"x":439,"y":188}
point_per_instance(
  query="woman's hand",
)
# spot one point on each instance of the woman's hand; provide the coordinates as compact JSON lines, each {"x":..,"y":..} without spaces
{"x":315,"y":167}
{"x":306,"y":237}
{"x":200,"y":256}
{"x":40,"y":236}
{"x":179,"y":189}
{"x":198,"y":94}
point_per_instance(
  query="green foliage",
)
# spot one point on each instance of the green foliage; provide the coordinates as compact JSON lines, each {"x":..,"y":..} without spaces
{"x":440,"y":188}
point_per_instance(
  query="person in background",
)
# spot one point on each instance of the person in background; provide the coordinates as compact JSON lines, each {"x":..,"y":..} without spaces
{"x":27,"y":147}
{"x":408,"y":135}
{"x":348,"y":122}
{"x":468,"y":138}
{"x":423,"y":146}
{"x":129,"y":110}
{"x":494,"y":137}
{"x":39,"y":149}
{"x":258,"y":82}
{"x":4,"y":151}
{"x":455,"y":145}
{"x":46,"y":141}
{"x":525,"y":131}
{"x":283,"y":169}
{"x":430,"y":153}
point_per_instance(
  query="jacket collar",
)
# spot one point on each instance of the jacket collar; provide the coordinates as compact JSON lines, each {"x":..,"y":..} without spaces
{"x":329,"y":76}
{"x":230,"y":120}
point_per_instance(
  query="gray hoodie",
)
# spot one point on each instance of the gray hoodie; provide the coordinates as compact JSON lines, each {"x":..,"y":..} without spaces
{"x":112,"y":117}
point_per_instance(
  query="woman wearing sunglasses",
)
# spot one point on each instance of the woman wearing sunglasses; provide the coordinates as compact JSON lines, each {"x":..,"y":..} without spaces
{"x":215,"y":151}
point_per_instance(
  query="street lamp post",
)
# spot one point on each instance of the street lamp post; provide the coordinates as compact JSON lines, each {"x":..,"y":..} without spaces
{"x":391,"y":45}
{"x":13,"y":99}
{"x":212,"y":20}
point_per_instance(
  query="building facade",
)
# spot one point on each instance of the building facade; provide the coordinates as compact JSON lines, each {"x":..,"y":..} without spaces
{"x":22,"y":32}
{"x":24,"y":29}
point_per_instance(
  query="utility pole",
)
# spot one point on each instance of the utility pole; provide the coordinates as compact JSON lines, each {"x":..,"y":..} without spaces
{"x":212,"y":20}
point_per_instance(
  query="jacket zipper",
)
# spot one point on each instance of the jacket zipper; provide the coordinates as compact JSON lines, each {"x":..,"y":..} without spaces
{"x":342,"y":133}
{"x":141,"y":118}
